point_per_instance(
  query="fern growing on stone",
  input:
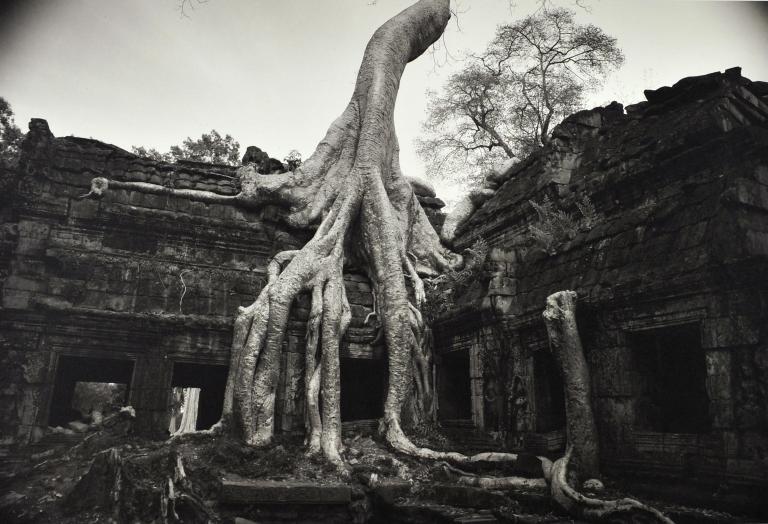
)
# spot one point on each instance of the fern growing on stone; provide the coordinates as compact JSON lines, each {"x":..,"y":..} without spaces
{"x":555,"y":226}
{"x":442,"y":291}
{"x":588,"y":212}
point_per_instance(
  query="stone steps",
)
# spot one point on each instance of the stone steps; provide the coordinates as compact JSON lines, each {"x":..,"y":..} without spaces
{"x":418,"y":512}
{"x":289,"y":492}
{"x":442,"y":503}
{"x":468,"y":438}
{"x":477,"y":518}
{"x":55,"y":441}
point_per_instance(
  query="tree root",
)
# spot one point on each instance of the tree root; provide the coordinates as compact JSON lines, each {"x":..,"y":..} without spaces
{"x":565,"y":345}
{"x":111,"y":486}
{"x":314,"y":425}
{"x":596,"y":510}
{"x":344,"y":185}
{"x":570,"y":500}
{"x":503,"y":482}
{"x":178,"y":503}
{"x":488,"y":482}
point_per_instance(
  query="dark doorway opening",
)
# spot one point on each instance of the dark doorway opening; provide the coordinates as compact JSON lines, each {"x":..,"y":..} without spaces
{"x":550,"y":396}
{"x":85,"y":386}
{"x":210,"y":380}
{"x":362,"y":388}
{"x":672,"y":395}
{"x":453,"y":386}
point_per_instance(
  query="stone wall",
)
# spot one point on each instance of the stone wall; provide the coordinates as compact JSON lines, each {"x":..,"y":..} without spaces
{"x":149,"y":279}
{"x":680,"y":241}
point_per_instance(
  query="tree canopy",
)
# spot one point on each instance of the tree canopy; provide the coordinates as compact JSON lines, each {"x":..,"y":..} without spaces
{"x":210,"y":147}
{"x":10,"y":135}
{"x":504,"y":102}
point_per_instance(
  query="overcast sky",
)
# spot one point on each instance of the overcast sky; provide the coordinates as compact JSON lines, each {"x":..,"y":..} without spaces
{"x":275,"y":73}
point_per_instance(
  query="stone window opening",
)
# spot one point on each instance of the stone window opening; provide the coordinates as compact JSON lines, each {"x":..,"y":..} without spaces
{"x":197,"y":397}
{"x":363,"y":383}
{"x":87,"y":389}
{"x":671,"y":387}
{"x":549,"y":393}
{"x":454,"y":390}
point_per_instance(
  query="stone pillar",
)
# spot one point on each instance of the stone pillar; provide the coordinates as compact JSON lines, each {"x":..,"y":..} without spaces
{"x":150,"y":394}
{"x":476,"y":386}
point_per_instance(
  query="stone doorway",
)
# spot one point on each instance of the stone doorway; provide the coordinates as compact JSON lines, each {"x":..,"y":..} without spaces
{"x":671,"y":371}
{"x":202,"y":388}
{"x":549,"y":393}
{"x":362,"y":388}
{"x":454,"y":386}
{"x":87,"y":388}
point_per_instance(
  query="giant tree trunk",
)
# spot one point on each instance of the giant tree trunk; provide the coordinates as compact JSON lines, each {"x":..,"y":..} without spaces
{"x":351,"y":185}
{"x":565,"y":344}
{"x":363,"y":211}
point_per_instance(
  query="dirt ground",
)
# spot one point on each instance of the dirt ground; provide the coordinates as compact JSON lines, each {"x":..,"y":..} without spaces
{"x":113,"y":476}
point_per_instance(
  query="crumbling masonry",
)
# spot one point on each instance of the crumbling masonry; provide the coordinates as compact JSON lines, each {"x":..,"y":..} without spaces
{"x":671,"y":276}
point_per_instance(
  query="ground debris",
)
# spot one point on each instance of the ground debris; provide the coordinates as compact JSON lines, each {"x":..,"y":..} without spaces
{"x":182,"y":479}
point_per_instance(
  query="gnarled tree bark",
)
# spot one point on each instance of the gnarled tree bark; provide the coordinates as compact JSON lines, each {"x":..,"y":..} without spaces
{"x":565,"y":344}
{"x":581,"y":432}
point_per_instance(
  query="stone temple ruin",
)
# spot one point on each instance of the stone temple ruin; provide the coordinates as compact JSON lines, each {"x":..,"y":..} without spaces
{"x":669,"y":262}
{"x":671,"y":278}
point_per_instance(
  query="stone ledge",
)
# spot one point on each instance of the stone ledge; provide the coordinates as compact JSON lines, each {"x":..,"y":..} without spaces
{"x":246,"y":491}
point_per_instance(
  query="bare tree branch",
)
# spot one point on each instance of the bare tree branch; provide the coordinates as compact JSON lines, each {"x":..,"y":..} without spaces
{"x":506,"y":100}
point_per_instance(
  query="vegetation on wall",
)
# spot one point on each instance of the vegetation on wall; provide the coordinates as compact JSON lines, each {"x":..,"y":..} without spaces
{"x":10,"y":136}
{"x":554,"y":226}
{"x":211,"y":148}
{"x":442,"y":291}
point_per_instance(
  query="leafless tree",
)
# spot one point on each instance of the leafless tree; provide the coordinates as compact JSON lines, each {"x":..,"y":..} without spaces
{"x":504,"y":102}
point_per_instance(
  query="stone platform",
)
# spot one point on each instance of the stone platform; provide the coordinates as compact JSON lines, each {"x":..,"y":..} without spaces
{"x":250,"y":491}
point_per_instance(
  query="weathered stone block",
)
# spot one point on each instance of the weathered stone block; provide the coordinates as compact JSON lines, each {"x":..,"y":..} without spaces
{"x":502,"y":285}
{"x":613,"y":372}
{"x":504,"y":305}
{"x":34,"y":366}
{"x":118,"y":302}
{"x":245,"y":491}
{"x":718,"y":382}
{"x":290,"y":394}
{"x":83,"y":209}
{"x":32,"y":401}
{"x":32,"y":237}
{"x":17,"y":283}
{"x":729,"y":331}
{"x":757,"y":243}
{"x":747,"y":469}
{"x":748,"y":193}
{"x":14,"y":299}
{"x":719,"y":388}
